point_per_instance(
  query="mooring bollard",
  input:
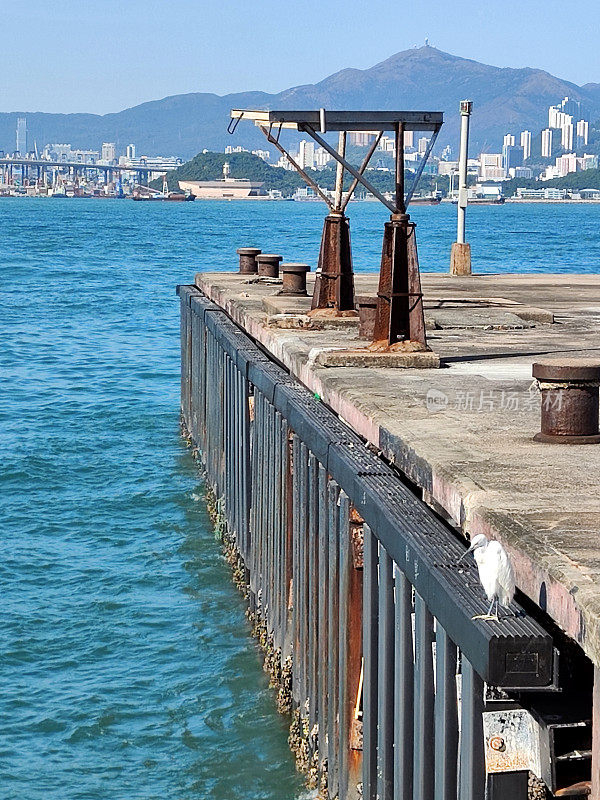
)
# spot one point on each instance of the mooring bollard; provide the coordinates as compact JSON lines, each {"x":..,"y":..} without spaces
{"x":268,"y":265}
{"x":367,"y":311}
{"x":248,"y":265}
{"x":569,"y":390}
{"x":294,"y":279}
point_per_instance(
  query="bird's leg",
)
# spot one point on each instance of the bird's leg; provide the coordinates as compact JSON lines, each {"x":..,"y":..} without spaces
{"x":489,"y":616}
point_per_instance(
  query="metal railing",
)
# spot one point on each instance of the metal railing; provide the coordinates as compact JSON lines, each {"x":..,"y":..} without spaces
{"x":353,"y":576}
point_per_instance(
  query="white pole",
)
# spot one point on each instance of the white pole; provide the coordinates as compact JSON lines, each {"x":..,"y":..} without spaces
{"x":465,"y":113}
{"x":339,"y":177}
{"x":460,"y":257}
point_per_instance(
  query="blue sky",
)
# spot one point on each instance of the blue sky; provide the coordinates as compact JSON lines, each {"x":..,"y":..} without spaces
{"x":105,"y":55}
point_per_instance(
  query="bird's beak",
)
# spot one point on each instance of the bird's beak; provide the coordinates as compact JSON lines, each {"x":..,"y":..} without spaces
{"x":466,"y":553}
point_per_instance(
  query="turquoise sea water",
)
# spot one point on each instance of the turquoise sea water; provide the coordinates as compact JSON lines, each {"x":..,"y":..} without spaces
{"x":126,"y":666}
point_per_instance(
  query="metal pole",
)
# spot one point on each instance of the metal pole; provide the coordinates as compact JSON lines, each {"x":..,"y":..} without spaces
{"x":339,"y":176}
{"x":465,"y":115}
{"x":400,"y":167}
{"x":460,"y":258}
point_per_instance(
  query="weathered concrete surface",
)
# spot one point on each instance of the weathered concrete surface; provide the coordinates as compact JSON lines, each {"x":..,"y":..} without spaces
{"x":464,"y":432}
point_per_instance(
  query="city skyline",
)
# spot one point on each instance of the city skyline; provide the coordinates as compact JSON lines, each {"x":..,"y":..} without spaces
{"x":217,"y":52}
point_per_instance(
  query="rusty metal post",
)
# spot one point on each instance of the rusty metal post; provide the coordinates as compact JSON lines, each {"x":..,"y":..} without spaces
{"x":569,"y":390}
{"x":334,"y":285}
{"x":294,"y":279}
{"x":248,"y":265}
{"x":399,"y":316}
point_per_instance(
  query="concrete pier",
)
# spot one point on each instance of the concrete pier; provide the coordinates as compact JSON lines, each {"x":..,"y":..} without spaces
{"x":463,"y":436}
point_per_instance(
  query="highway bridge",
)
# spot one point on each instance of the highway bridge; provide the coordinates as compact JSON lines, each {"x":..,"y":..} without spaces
{"x":26,"y":167}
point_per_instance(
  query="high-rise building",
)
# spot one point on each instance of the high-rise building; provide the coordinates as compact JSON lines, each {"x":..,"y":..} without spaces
{"x":553,"y":113}
{"x":572,"y":107}
{"x":512,"y":156}
{"x":264,"y":154}
{"x":490,"y":166}
{"x":526,"y":144}
{"x":360,"y":138}
{"x":409,"y":139}
{"x":130,"y":151}
{"x":566,"y":135}
{"x":509,"y":140}
{"x":109,"y":151}
{"x":322,"y":158}
{"x":566,"y":164}
{"x":582,"y":132}
{"x":306,"y":158}
{"x":547,"y":143}
{"x":422,"y":145}
{"x":22,"y":136}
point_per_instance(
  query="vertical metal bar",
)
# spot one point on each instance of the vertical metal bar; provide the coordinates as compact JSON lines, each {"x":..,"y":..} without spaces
{"x":283,"y":506}
{"x":263,"y":505}
{"x":235,"y":452}
{"x":268,"y":478}
{"x":596,"y":736}
{"x":339,"y":175}
{"x":276,"y":530}
{"x":313,"y":589}
{"x":193,"y":374}
{"x":446,"y":717}
{"x":260,"y":530}
{"x":385,"y":679}
{"x":296,"y":514}
{"x":323,"y":627}
{"x":255,"y":470}
{"x":239,"y":459}
{"x":246,"y":468}
{"x":403,"y":687}
{"x":472,"y":758}
{"x":210,"y":389}
{"x":183,"y":351}
{"x":345,"y":566}
{"x":399,"y":130}
{"x":289,"y":525}
{"x":423,"y":763}
{"x":370,"y":651}
{"x":302,"y":577}
{"x":227,"y":436}
{"x":333,"y":644}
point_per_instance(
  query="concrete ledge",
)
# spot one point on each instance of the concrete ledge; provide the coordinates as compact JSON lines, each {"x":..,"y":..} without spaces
{"x":367,"y":359}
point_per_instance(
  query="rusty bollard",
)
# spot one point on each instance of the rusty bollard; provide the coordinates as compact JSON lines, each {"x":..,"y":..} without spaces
{"x":248,"y":265}
{"x":268,"y":265}
{"x":294,"y":279}
{"x":569,"y":400}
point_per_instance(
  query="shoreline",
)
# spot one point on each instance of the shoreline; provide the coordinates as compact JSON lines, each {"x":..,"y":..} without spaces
{"x":444,"y":201}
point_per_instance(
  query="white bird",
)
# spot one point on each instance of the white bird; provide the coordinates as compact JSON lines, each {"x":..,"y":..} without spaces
{"x":495,"y":573}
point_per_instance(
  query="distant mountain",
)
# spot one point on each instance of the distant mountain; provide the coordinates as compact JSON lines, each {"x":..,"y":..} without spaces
{"x":422,"y":78}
